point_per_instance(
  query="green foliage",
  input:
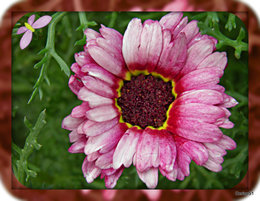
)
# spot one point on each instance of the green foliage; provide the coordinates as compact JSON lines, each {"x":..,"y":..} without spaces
{"x":53,"y":166}
{"x":20,"y":165}
{"x":211,"y":27}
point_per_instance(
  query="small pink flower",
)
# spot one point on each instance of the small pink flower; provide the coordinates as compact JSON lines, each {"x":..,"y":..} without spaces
{"x":152,"y":99}
{"x":30,"y":27}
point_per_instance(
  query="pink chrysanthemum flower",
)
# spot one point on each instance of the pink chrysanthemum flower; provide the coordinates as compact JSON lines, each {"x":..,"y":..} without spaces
{"x":150,"y":98}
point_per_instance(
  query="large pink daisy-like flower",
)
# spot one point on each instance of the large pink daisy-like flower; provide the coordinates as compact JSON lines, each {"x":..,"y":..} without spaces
{"x":150,"y":98}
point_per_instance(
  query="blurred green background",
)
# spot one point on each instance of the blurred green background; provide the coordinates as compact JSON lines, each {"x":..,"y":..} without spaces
{"x":56,"y":168}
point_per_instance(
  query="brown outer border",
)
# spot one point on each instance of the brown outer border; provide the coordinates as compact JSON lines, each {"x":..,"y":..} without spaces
{"x":98,"y":5}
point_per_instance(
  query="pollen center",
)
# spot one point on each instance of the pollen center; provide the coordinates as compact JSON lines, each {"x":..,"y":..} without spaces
{"x":28,"y":26}
{"x":144,"y":100}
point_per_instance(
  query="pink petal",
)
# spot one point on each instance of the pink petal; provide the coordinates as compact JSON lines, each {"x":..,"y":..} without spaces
{"x":196,"y":54}
{"x":204,"y":96}
{"x":80,"y":111}
{"x":31,"y":19}
{"x":228,"y":101}
{"x":150,"y":46}
{"x":172,"y":175}
{"x":205,"y":113}
{"x":180,"y":26}
{"x":82,"y":58}
{"x":149,"y":177}
{"x":171,"y":20}
{"x":215,"y":150}
{"x":126,"y":148}
{"x":224,"y":123}
{"x":111,"y":180}
{"x":102,"y":113}
{"x":200,"y":37}
{"x":167,"y":151}
{"x":108,"y":172}
{"x":217,"y":159}
{"x":108,"y":140}
{"x":196,"y":151}
{"x":107,"y":61}
{"x":131,"y":42}
{"x":92,"y":128}
{"x":180,"y":174}
{"x":77,"y":70}
{"x":70,"y":123}
{"x":74,"y":84}
{"x":194,"y":129}
{"x":26,"y":39}
{"x":190,"y":30}
{"x":78,"y":146}
{"x":93,"y":99}
{"x":226,"y":143}
{"x":112,"y":47}
{"x":111,"y":34}
{"x":147,"y":152}
{"x":111,"y":41}
{"x":91,"y":34}
{"x":21,"y":30}
{"x":173,"y":55}
{"x":74,"y":136}
{"x":100,"y":73}
{"x":93,"y":156}
{"x":199,"y":79}
{"x":80,"y":128}
{"x":213,"y":166}
{"x":105,"y":161}
{"x":42,"y":22}
{"x":99,"y":87}
{"x":183,"y":163}
{"x":90,"y":171}
{"x":214,"y":60}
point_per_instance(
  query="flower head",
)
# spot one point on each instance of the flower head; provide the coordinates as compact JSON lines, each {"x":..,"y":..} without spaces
{"x":30,"y":26}
{"x":150,"y":98}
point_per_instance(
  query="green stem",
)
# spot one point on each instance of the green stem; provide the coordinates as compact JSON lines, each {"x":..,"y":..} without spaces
{"x":16,"y":148}
{"x":29,"y":146}
{"x":49,"y":52}
{"x":50,"y":46}
{"x":113,"y":19}
{"x":38,"y":82}
{"x":83,"y":20}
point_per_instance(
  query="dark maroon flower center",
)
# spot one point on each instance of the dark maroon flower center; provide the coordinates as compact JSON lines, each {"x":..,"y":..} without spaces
{"x":145,"y":100}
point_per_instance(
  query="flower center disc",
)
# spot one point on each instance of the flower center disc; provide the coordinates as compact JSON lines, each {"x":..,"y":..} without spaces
{"x":144,"y":100}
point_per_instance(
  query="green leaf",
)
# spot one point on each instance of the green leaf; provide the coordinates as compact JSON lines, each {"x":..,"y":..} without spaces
{"x":64,"y":67}
{"x":43,"y":51}
{"x":231,"y":23}
{"x":40,"y":63}
{"x":81,"y":42}
{"x":30,"y":143}
{"x":92,"y":23}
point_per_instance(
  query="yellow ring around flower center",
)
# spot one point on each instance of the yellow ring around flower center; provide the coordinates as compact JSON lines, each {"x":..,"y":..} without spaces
{"x":28,"y":26}
{"x":145,"y":72}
